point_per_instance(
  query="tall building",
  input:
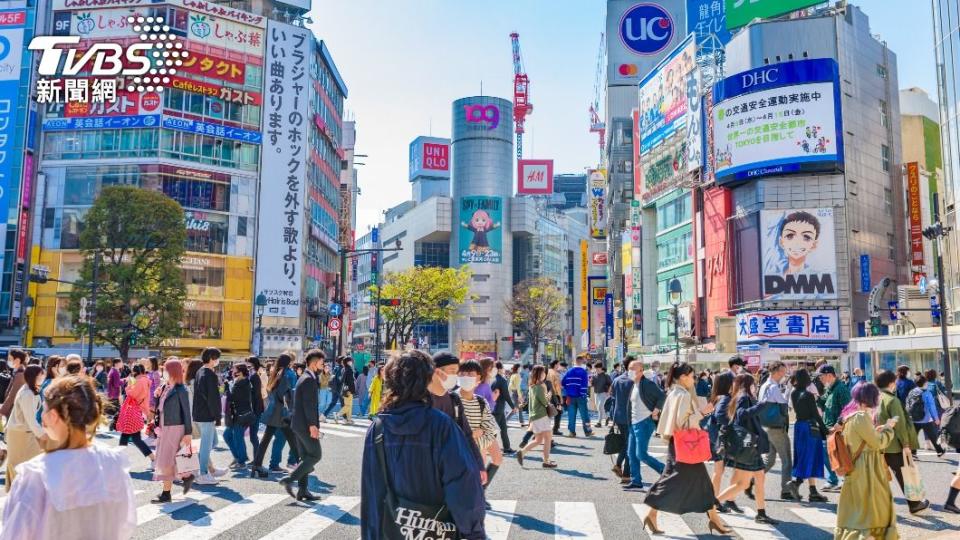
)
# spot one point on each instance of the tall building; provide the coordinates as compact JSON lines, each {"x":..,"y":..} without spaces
{"x":806,"y":139}
{"x":205,"y":141}
{"x":946,"y":37}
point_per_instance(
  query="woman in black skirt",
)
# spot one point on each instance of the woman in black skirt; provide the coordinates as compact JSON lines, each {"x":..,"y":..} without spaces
{"x":744,"y":414}
{"x":682,"y":488}
{"x":720,"y":398}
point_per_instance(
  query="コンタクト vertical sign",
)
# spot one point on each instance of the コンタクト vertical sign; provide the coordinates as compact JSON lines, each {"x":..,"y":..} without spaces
{"x":284,"y":162}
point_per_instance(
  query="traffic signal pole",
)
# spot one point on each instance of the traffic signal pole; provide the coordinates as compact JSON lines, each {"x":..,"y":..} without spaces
{"x":947,"y":375}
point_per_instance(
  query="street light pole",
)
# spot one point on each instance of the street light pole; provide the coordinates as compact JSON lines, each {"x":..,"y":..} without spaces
{"x":261,"y":303}
{"x":676,"y":295}
{"x":91,"y":315}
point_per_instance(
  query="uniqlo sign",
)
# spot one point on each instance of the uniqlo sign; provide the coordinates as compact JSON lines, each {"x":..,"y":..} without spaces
{"x":436,"y":157}
{"x":534,"y":176}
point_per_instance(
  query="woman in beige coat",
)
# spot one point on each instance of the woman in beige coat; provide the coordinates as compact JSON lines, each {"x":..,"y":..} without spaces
{"x":25,"y":437}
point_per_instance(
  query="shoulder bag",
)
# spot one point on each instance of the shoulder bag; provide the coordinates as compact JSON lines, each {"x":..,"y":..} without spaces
{"x":614,"y":442}
{"x":691,"y":445}
{"x":402,"y":518}
{"x":130,"y":419}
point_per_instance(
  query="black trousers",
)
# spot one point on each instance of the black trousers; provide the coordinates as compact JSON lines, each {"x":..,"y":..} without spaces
{"x":502,"y":422}
{"x":930,"y":431}
{"x":622,"y":460}
{"x":137,"y":441}
{"x":310,"y":454}
{"x":895,"y":462}
{"x":558,"y":417}
{"x":265,"y":442}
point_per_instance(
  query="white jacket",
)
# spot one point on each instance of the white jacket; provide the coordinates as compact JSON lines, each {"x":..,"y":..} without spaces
{"x":23,"y":417}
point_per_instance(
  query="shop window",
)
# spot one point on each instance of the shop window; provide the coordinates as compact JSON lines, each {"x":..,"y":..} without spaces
{"x":202,"y":320}
{"x":241,"y":226}
{"x":203,"y":281}
{"x":891,"y":247}
{"x":71,"y":225}
{"x":192,"y":193}
{"x":206,"y":232}
{"x":888,"y":201}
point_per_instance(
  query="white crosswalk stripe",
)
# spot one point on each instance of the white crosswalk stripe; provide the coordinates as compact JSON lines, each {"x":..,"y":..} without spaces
{"x":314,"y":520}
{"x":499,"y":519}
{"x":746,"y":527}
{"x":576,"y":520}
{"x":150,"y":511}
{"x":224,"y":519}
{"x":673,"y":525}
{"x":820,"y":518}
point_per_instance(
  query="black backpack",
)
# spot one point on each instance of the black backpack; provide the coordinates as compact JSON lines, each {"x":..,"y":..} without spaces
{"x":950,"y":426}
{"x":915,"y":407}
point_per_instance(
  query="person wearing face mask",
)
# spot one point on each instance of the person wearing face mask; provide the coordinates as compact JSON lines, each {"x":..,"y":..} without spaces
{"x":444,"y":380}
{"x":484,"y":387}
{"x":348,"y":389}
{"x":305,"y":425}
{"x":56,"y":367}
{"x":479,"y":415}
{"x":49,"y":505}
{"x":98,"y":374}
{"x":576,"y":387}
{"x":24,"y":436}
{"x":326,"y":395}
{"x":904,"y":384}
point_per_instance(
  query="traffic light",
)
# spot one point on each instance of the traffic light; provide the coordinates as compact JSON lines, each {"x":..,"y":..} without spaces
{"x":874,"y":326}
{"x":390,"y":302}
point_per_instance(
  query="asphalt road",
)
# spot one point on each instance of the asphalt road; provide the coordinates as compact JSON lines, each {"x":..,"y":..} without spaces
{"x":578,"y":500}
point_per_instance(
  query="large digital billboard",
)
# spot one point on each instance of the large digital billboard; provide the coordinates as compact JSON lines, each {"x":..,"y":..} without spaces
{"x":799,"y":254}
{"x":481,"y":231}
{"x":778,"y":119}
{"x":663,"y":96}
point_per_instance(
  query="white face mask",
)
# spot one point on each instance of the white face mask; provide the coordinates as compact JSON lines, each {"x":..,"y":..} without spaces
{"x":468,"y":383}
{"x":449,"y":382}
{"x":62,"y":370}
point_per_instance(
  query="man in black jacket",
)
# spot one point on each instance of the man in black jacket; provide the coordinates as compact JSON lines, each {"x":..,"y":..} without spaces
{"x":207,"y":409}
{"x":347,"y":390}
{"x":256,"y":384}
{"x":501,"y":390}
{"x":305,"y":423}
{"x":336,"y":382}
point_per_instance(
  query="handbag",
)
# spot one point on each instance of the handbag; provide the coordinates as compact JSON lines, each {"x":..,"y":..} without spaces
{"x":774,"y":415}
{"x":403,"y":518}
{"x":912,"y":485}
{"x":943,"y":401}
{"x":691,"y":445}
{"x":614,"y":442}
{"x":187,"y":463}
{"x":130,"y":419}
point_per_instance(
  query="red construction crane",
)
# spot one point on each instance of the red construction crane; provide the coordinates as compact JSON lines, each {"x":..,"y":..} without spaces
{"x":596,"y":124}
{"x":521,"y":93}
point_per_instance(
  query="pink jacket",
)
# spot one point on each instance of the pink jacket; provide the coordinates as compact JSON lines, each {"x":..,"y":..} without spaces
{"x":140,"y":392}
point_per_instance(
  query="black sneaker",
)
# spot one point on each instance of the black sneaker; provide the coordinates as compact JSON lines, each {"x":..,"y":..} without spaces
{"x":918,"y":507}
{"x":951,"y":508}
{"x":749,"y":491}
{"x":787,"y":496}
{"x":632,"y":487}
{"x":732,"y":506}
{"x":765,"y":519}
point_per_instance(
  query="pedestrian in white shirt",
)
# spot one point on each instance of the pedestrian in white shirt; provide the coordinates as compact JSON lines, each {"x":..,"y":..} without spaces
{"x":79,"y":490}
{"x":775,"y":420}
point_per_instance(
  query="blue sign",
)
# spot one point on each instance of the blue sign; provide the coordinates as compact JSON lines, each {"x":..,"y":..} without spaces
{"x":216,"y":130}
{"x":646,"y":29}
{"x":375,"y":236}
{"x":9,"y":98}
{"x":608,"y":311}
{"x":336,"y":310}
{"x":865,"y":273}
{"x":102,"y":122}
{"x":776,"y":76}
{"x":708,"y":19}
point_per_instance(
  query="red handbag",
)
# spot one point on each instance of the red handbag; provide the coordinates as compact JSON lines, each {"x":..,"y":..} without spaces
{"x":130,"y":419}
{"x":691,"y":445}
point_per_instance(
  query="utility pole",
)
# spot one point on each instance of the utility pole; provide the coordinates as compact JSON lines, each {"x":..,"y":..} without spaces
{"x":936,"y":233}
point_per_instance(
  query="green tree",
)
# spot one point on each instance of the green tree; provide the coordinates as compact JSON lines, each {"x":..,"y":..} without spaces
{"x":426,"y":294}
{"x":136,"y":238}
{"x":536,"y":308}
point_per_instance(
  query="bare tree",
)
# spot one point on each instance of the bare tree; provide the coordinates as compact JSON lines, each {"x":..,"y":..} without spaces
{"x":536,"y":308}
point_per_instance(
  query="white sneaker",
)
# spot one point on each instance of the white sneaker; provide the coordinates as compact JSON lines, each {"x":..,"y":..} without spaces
{"x":205,"y":480}
{"x":217,"y":473}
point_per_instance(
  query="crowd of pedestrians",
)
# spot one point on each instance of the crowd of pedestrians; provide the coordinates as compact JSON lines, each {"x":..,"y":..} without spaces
{"x":438,"y":434}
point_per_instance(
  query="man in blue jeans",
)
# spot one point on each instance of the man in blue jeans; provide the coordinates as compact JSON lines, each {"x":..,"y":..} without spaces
{"x":646,"y":401}
{"x":207,"y":410}
{"x":576,"y":385}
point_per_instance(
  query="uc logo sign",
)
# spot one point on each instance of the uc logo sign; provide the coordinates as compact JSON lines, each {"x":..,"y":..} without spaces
{"x":646,"y":29}
{"x":483,"y":114}
{"x":4,"y":48}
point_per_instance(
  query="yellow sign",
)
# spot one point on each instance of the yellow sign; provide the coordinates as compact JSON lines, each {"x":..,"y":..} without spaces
{"x":584,"y":266}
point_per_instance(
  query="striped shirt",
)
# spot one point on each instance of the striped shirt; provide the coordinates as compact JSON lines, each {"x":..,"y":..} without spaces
{"x":481,"y":421}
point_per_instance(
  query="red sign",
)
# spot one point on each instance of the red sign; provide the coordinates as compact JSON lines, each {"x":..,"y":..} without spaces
{"x":334,"y":324}
{"x":535,"y":176}
{"x":717,"y":207}
{"x":127,"y":104}
{"x":13,"y":18}
{"x":436,"y":157}
{"x":913,"y":207}
{"x":599,"y":258}
{"x":212,"y":66}
{"x":213,"y":90}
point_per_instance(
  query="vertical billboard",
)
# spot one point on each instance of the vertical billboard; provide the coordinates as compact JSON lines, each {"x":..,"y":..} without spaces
{"x":799,"y":254}
{"x":778,"y":119}
{"x":11,"y":58}
{"x":717,"y":207}
{"x":597,"y":201}
{"x":637,"y":171}
{"x":481,"y":234}
{"x":741,"y":12}
{"x":639,"y":34}
{"x":430,"y":157}
{"x":280,"y":255}
{"x":708,"y":20}
{"x":915,"y":213}
{"x":534,"y":176}
{"x":584,"y":292}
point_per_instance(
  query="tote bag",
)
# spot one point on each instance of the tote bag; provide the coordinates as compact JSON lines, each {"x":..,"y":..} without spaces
{"x":131,"y":419}
{"x":912,"y":485}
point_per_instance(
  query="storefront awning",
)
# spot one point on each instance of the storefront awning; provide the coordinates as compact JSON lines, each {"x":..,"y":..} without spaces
{"x":923,"y":339}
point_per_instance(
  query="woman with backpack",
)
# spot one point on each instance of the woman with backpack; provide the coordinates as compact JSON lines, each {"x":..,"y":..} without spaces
{"x":865,"y":509}
{"x":750,"y":443}
{"x":922,"y":408}
{"x":809,"y":434}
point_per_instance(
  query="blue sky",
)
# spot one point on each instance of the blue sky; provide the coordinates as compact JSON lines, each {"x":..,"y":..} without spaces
{"x":404,"y":63}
